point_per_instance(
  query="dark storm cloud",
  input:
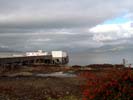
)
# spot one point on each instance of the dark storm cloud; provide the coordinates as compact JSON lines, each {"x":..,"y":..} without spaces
{"x":55,"y":13}
{"x":34,"y":24}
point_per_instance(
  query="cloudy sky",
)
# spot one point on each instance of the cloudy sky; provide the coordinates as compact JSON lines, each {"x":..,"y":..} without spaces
{"x":72,"y":25}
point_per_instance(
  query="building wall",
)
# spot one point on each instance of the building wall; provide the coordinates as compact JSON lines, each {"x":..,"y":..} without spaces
{"x":27,"y":60}
{"x":59,"y":57}
{"x":60,"y":60}
{"x":59,"y":54}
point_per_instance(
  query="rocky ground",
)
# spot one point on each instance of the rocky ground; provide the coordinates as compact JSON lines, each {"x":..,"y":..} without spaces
{"x":37,"y":88}
{"x":19,"y":84}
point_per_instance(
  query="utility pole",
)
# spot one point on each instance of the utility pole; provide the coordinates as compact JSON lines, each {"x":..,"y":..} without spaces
{"x":124,"y":62}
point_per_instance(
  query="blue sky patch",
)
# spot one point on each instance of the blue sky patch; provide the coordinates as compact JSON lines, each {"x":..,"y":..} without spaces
{"x":117,"y":20}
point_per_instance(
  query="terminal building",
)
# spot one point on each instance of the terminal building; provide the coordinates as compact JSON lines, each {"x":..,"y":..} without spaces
{"x":35,"y":58}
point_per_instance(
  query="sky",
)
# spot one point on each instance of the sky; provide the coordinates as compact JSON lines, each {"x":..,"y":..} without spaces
{"x":71,"y":25}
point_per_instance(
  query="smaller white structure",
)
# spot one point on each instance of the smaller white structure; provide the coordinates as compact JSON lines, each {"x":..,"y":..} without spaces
{"x":38,"y":53}
{"x":127,"y":64}
{"x":59,"y":57}
{"x":59,"y":54}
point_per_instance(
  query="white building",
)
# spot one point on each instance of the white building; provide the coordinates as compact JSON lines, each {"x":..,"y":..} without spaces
{"x":59,"y":54}
{"x":59,"y":57}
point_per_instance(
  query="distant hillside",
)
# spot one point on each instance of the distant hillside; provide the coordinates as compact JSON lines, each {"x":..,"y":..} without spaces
{"x":113,"y":48}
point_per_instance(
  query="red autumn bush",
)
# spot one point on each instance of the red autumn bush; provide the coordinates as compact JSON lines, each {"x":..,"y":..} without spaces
{"x":114,"y":84}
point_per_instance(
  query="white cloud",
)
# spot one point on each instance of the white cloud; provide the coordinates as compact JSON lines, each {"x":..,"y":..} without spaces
{"x":101,"y":37}
{"x":129,"y":16}
{"x":108,"y":32}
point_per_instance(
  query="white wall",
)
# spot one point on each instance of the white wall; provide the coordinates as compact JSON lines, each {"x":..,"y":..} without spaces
{"x":64,"y":54}
{"x":59,"y":54}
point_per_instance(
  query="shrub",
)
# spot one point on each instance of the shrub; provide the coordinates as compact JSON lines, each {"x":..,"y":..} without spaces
{"x":116,"y":84}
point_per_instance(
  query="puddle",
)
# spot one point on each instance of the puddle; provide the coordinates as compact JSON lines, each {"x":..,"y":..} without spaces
{"x":57,"y":74}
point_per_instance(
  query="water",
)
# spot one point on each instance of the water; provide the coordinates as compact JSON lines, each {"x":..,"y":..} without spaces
{"x":56,"y":74}
{"x":86,"y":58}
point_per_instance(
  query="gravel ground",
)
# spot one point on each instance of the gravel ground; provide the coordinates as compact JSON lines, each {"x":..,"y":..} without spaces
{"x":38,"y":88}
